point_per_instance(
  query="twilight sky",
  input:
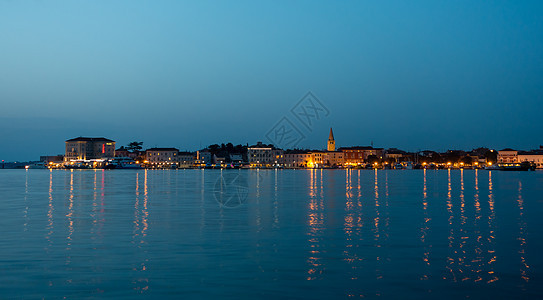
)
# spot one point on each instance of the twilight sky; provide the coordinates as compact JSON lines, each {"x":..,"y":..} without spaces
{"x":413,"y":75}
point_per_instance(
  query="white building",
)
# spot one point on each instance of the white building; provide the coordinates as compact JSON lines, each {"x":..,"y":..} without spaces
{"x":513,"y":156}
{"x":162,"y":156}
{"x":186,"y":159}
{"x":261,"y":155}
{"x":507,"y":156}
{"x":334,"y":158}
{"x":85,"y":148}
{"x":296,"y":159}
{"x":236,"y":158}
{"x":204,"y":157}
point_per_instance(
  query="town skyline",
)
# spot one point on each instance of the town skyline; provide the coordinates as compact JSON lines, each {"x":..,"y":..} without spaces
{"x":301,"y":146}
{"x":101,"y":152}
{"x":104,"y":153}
{"x":409,"y":76}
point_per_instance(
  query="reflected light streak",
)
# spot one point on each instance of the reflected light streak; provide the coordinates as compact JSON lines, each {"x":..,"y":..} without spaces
{"x":50,"y":209}
{"x":450,"y":260}
{"x":348,"y":189}
{"x":377,"y":211}
{"x":491,"y":238}
{"x":95,"y":197}
{"x":524,"y":267}
{"x":359,"y":189}
{"x":140,"y":230}
{"x":478,"y":260}
{"x":145,"y":213}
{"x":202,"y":201}
{"x":376,"y":189}
{"x":135,"y":232}
{"x":315,"y":224}
{"x":449,"y":209}
{"x":25,"y":211}
{"x":69,"y":216}
{"x":476,"y":197}
{"x":377,"y":231}
{"x":275,"y":202}
{"x":425,"y":225}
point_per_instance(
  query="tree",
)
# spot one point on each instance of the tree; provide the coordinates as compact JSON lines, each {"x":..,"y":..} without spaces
{"x":491,"y":156}
{"x":372,"y":159}
{"x":467,"y":160}
{"x":214,"y":148}
{"x":135,"y":146}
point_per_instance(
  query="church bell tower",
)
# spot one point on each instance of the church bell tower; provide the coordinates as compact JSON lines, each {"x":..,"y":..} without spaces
{"x":331,"y":142}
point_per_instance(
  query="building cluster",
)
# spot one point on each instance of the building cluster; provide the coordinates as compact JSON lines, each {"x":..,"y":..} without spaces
{"x":101,"y":152}
{"x":510,"y":156}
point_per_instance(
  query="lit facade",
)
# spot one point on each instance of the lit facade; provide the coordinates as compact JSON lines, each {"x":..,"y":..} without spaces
{"x":261,"y":155}
{"x":296,"y":159}
{"x":534,"y":156}
{"x":334,"y":158}
{"x":85,"y":148}
{"x":186,"y":159}
{"x":507,"y":156}
{"x":358,"y":155}
{"x":204,"y":157}
{"x":162,"y":156}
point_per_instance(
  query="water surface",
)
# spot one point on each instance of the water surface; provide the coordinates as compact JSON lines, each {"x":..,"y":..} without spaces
{"x":311,"y":234}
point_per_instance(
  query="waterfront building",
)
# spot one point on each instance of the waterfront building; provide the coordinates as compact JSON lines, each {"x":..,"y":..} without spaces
{"x":261,"y":155}
{"x":334,"y":158}
{"x":236,"y":158}
{"x":85,"y":148}
{"x":357,"y":155}
{"x":507,"y":156}
{"x":317,"y":159}
{"x":296,"y":158}
{"x":162,"y":156}
{"x":204,"y":157}
{"x":219,"y":159}
{"x":186,"y":159}
{"x":534,"y":156}
{"x":395,"y":154}
{"x":331,"y":142}
{"x":123,"y":152}
{"x":481,"y":156}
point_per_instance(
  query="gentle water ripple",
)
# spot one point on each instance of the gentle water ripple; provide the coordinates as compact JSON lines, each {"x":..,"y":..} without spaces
{"x":270,"y":233}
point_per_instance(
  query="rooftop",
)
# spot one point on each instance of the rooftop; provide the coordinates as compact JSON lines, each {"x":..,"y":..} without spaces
{"x":162,"y":149}
{"x":360,"y":148}
{"x":90,"y":139}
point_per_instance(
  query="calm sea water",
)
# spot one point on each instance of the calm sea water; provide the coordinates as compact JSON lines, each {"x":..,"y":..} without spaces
{"x":313,"y":234}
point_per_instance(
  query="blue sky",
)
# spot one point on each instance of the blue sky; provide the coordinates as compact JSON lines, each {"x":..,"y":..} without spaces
{"x":419,"y":75}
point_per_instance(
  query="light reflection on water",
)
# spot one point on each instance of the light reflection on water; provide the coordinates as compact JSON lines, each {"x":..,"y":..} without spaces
{"x":299,"y":233}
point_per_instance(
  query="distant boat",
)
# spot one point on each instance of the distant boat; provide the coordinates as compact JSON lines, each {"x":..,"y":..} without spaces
{"x":36,"y":165}
{"x":492,"y":167}
{"x":523,"y":166}
{"x":129,"y":166}
{"x":77,"y":165}
{"x":123,"y":163}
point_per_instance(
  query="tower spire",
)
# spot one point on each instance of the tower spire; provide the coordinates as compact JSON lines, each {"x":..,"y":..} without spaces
{"x":331,"y":141}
